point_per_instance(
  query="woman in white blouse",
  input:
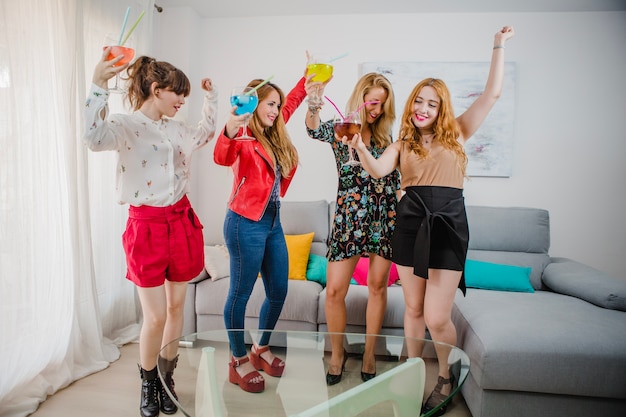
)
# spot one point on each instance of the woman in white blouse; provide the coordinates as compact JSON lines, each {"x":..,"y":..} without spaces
{"x":163,"y":239}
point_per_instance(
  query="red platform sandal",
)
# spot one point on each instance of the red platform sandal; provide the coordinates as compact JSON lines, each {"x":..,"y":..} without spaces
{"x":246,"y":382}
{"x":277,"y":366}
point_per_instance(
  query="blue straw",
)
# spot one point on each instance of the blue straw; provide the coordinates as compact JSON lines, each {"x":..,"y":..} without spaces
{"x":119,"y":42}
{"x":337,"y":57}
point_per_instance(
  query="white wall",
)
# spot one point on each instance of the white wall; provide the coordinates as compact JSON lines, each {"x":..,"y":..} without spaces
{"x":570,"y":145}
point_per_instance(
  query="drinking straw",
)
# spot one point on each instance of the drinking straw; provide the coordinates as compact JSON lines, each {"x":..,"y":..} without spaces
{"x":119,"y":42}
{"x":267,"y":80}
{"x":132,"y":28}
{"x":337,"y":57}
{"x":360,"y":107}
{"x":336,"y":108}
{"x":354,"y":112}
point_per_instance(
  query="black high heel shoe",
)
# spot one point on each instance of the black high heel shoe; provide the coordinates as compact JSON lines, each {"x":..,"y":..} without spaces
{"x":366,"y":376}
{"x":335,"y":379}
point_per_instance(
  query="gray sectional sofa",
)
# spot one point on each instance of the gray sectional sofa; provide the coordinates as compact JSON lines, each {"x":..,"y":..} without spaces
{"x":558,"y":351}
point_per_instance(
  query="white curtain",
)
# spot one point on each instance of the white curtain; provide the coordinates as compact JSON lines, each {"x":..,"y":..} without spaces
{"x":65,"y":305}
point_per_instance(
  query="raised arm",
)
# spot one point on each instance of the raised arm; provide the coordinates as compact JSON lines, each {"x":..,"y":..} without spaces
{"x":205,"y":130}
{"x":377,"y":168}
{"x":314,"y":89}
{"x":472,"y":118}
{"x":294,"y":98}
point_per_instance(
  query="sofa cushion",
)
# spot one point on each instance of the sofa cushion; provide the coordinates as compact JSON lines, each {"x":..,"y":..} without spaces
{"x":536,"y":261}
{"x":316,"y":269}
{"x":569,"y":277}
{"x":492,"y":276}
{"x":301,"y":303}
{"x":542,"y":342}
{"x":511,"y":229}
{"x":299,"y":217}
{"x":513,"y":236}
{"x":216,"y":261}
{"x":362,"y":269}
{"x":298,"y":249}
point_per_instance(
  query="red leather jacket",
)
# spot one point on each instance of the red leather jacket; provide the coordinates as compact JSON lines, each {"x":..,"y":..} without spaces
{"x":252,"y":167}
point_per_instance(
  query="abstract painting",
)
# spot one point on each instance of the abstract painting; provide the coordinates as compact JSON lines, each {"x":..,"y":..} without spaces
{"x":490,"y":149}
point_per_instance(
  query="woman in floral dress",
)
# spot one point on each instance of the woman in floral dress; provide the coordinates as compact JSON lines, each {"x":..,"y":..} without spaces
{"x":364,"y":217}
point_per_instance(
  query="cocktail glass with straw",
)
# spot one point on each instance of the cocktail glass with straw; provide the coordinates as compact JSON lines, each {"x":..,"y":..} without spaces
{"x":348,"y":126}
{"x":321,"y":66}
{"x":122,"y":45}
{"x":246,"y":100}
{"x":356,"y":111}
{"x":111,"y":40}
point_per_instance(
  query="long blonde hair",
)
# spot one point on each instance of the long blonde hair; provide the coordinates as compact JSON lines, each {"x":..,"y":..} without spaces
{"x":381,"y":128}
{"x":274,"y":139}
{"x":446,"y":128}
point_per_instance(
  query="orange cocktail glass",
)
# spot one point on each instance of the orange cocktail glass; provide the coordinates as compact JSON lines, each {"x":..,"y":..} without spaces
{"x":116,"y":50}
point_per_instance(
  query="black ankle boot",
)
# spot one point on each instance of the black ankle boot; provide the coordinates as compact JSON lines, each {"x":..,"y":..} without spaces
{"x":168,"y":406}
{"x":149,"y":406}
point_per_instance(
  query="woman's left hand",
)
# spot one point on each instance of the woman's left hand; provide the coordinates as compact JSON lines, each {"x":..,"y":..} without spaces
{"x":355,"y":142}
{"x":504,"y":34}
{"x":207,"y":84}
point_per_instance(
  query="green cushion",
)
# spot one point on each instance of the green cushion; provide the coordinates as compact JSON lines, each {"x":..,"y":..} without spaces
{"x":316,"y":269}
{"x":499,"y":277}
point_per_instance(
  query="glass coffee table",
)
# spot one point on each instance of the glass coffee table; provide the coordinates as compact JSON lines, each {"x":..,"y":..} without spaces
{"x":399,"y":388}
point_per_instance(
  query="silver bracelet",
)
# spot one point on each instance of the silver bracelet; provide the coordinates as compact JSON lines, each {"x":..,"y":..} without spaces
{"x":314,"y":109}
{"x":498,"y":47}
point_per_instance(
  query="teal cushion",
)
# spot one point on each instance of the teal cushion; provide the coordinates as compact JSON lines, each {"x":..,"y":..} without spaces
{"x":499,"y":277}
{"x":316,"y":269}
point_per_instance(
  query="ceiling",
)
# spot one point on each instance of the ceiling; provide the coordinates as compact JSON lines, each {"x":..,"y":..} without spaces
{"x":246,"y":8}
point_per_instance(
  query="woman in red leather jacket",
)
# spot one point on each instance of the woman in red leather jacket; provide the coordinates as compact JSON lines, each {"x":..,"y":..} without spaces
{"x":263,"y":169}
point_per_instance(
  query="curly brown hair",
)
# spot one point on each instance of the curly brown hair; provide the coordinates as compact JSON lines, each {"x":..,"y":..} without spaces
{"x":446,"y":128}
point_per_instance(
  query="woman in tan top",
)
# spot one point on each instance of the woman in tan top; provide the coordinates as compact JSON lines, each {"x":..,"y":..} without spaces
{"x":431,"y":235}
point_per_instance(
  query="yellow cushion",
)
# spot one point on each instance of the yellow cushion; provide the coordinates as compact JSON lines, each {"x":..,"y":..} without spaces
{"x":298,"y":247}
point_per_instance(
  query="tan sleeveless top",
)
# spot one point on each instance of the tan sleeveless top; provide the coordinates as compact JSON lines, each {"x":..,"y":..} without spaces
{"x":438,"y":168}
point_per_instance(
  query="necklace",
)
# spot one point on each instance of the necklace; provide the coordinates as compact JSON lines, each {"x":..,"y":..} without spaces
{"x":427,"y":139}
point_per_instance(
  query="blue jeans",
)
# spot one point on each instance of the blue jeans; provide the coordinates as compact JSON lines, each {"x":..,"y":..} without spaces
{"x":255,"y":247}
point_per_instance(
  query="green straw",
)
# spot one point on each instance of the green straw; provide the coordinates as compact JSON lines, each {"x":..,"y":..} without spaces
{"x":267,"y":80}
{"x":132,"y":28}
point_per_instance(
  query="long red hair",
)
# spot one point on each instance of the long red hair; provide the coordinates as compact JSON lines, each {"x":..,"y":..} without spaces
{"x":446,"y":128}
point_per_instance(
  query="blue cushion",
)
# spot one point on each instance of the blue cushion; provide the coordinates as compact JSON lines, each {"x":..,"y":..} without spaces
{"x":316,"y":269}
{"x":490,"y":276}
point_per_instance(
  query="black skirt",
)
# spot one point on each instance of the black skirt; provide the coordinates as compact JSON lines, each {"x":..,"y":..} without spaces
{"x":431,"y":230}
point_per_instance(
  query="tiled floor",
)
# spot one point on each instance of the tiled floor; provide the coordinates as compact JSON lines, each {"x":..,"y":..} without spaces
{"x":115,"y":392}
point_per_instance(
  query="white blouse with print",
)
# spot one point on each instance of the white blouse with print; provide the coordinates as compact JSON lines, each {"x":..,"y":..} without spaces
{"x":154,"y":157}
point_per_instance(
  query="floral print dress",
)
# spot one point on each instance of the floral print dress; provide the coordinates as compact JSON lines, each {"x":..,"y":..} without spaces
{"x":365,"y":213}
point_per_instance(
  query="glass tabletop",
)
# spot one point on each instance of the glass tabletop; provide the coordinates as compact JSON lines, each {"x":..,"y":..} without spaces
{"x":399,"y":388}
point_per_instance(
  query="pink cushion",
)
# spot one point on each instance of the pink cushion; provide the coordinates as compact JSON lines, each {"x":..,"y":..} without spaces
{"x":360,"y":272}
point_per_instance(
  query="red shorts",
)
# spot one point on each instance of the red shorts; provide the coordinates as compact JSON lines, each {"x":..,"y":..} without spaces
{"x":163,"y":243}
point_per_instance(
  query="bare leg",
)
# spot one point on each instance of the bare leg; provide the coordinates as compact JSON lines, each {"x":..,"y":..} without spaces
{"x":154,"y":317}
{"x":413,"y":288}
{"x":377,"y":278}
{"x":338,"y":275}
{"x":440,"y":292}
{"x":175,"y":293}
